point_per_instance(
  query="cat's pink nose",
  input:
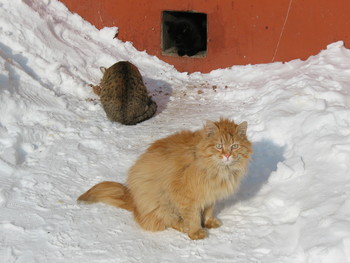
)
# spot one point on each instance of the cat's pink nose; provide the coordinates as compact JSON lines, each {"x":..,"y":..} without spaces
{"x":227,"y":155}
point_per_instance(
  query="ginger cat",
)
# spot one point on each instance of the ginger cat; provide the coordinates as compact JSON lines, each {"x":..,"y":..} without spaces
{"x":178,"y":180}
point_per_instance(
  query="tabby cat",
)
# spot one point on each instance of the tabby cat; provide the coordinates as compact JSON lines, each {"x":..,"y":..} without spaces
{"x":123,"y":94}
{"x":178,"y":180}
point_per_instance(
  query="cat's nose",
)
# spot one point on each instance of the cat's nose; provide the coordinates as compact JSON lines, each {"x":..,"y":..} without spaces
{"x":227,"y":155}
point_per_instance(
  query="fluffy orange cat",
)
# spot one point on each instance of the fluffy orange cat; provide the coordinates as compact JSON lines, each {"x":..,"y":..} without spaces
{"x":178,"y":180}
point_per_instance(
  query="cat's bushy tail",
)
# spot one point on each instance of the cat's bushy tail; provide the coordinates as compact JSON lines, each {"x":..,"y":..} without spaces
{"x":110,"y":193}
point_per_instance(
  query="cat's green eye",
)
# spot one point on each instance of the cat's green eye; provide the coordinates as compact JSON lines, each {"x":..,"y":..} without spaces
{"x":218,"y":146}
{"x":234,"y":146}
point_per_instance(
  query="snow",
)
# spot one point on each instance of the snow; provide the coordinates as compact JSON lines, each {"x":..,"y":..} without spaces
{"x":56,"y":142}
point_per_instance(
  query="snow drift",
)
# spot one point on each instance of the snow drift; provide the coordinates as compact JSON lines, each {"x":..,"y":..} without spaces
{"x":56,"y":142}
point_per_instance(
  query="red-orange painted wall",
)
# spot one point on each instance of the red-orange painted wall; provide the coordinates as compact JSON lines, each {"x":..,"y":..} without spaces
{"x":239,"y":31}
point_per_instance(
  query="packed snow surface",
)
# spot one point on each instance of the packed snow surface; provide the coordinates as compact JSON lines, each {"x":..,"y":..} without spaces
{"x":56,"y":142}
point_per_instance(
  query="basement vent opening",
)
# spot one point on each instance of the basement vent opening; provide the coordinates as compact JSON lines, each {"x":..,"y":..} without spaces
{"x":184,"y":34}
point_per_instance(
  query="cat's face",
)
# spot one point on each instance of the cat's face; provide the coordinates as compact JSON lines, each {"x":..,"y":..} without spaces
{"x":227,"y":152}
{"x":226,"y":143}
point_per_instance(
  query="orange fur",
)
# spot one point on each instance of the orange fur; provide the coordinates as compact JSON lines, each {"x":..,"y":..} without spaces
{"x":178,"y":180}
{"x":110,"y":193}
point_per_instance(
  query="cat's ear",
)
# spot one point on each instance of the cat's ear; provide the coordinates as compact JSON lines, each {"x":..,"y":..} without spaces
{"x":242,"y":129}
{"x":210,"y":128}
{"x":103,"y":69}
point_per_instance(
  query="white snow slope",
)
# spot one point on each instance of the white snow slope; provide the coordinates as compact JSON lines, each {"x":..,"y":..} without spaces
{"x":56,"y":142}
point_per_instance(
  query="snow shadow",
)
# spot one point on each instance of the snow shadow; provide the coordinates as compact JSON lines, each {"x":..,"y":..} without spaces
{"x":4,"y":80}
{"x":264,"y":161}
{"x":160,"y":91}
{"x":14,"y":61}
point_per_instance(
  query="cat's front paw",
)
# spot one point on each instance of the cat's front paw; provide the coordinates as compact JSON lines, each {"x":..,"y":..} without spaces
{"x":179,"y":225}
{"x":199,"y":234}
{"x":181,"y":53}
{"x":212,"y":223}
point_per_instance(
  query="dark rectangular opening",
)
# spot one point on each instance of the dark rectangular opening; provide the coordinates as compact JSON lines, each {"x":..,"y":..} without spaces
{"x":184,"y":34}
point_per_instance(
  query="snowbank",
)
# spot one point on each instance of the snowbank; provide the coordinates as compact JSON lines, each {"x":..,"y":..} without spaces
{"x":56,"y":142}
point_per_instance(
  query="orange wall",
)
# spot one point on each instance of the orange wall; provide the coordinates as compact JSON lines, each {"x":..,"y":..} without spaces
{"x":239,"y":31}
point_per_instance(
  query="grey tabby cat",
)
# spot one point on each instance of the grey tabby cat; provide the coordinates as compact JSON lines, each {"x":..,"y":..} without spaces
{"x":123,"y":94}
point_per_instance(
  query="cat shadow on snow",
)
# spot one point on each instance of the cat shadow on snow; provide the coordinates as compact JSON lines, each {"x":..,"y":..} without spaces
{"x":264,"y":161}
{"x":160,"y":91}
